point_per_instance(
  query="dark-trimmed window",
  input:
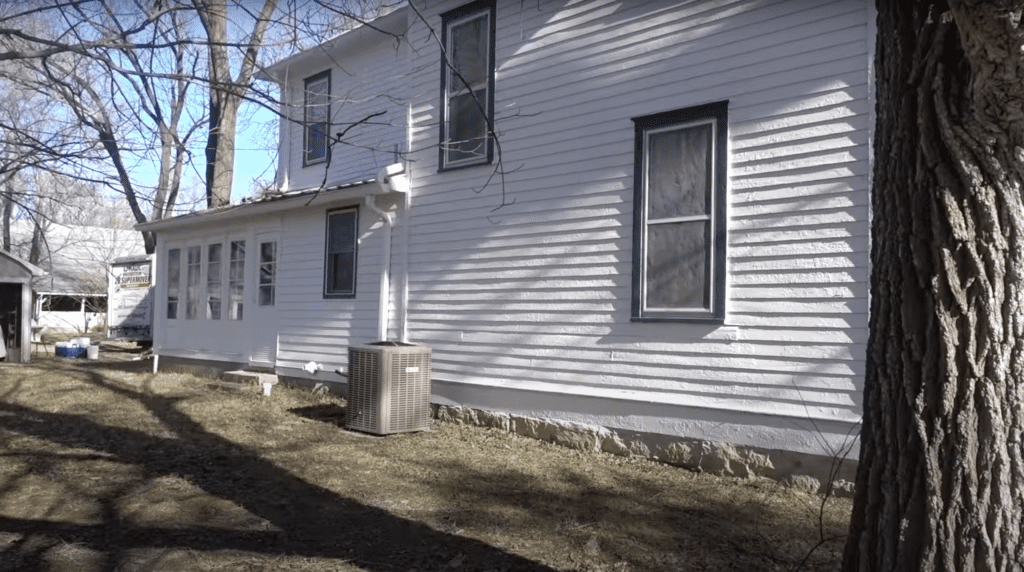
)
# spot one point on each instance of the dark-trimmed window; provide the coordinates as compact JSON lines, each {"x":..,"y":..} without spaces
{"x":340,"y":265}
{"x":467,"y":85}
{"x":679,"y":218}
{"x":316,"y":118}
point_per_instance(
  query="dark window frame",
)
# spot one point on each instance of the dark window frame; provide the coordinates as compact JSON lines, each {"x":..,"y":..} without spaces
{"x":307,"y":126}
{"x":715,"y":260}
{"x":330,"y":293}
{"x":448,"y":18}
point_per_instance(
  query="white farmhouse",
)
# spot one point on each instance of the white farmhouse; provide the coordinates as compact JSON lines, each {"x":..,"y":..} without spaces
{"x":639,"y":226}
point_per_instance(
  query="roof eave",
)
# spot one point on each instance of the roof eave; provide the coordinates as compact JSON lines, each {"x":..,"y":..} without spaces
{"x":291,"y":200}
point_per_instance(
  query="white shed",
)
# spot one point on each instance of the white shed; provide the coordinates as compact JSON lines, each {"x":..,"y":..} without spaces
{"x":16,"y":306}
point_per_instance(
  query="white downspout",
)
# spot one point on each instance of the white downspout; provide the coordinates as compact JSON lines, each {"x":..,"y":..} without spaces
{"x":385,"y":273}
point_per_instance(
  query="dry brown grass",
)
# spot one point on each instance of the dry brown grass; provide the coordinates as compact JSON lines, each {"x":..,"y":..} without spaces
{"x":104,"y":466}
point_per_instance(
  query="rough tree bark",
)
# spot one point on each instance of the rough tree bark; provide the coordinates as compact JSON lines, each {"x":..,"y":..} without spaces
{"x":940,"y":484}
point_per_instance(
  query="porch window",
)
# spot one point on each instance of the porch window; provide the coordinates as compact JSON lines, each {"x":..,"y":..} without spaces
{"x":213,"y":280}
{"x":340,"y":266}
{"x":173,"y":281}
{"x":236,"y":280}
{"x":679,"y":232}
{"x":467,"y":85}
{"x":268,"y":273}
{"x":316,"y":121}
{"x":194,"y":267}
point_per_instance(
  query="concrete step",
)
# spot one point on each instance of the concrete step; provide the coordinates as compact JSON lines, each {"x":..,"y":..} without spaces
{"x":242,"y":376}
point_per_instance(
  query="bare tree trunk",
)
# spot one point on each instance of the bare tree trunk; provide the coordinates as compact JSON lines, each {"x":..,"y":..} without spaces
{"x":940,"y":484}
{"x":8,"y":211}
{"x":226,"y":93}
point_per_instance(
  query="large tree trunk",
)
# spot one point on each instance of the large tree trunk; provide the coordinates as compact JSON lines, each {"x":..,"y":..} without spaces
{"x":940,"y":484}
{"x":226,"y":93}
{"x":220,"y":149}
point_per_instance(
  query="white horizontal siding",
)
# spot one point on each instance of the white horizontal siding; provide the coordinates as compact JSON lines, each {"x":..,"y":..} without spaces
{"x":364,"y":83}
{"x":538,"y":290}
{"x":312,"y":327}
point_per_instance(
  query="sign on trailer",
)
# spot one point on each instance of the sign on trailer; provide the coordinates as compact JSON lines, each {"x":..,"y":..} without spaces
{"x":130,"y":299}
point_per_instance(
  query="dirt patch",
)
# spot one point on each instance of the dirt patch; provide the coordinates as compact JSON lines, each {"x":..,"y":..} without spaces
{"x":107,"y":466}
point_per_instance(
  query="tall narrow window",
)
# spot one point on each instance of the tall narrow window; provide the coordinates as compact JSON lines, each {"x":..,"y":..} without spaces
{"x":679,"y":215}
{"x":268,"y":272}
{"x":317,"y":117}
{"x":340,"y":266}
{"x":213,"y":281}
{"x":173,"y":281}
{"x":467,"y":85}
{"x":236,"y":280}
{"x":194,"y":254}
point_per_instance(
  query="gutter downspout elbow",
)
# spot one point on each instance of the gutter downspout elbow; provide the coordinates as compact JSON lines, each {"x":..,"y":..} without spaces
{"x":385,"y":272}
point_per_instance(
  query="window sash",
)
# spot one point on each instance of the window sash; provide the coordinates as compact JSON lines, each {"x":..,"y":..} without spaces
{"x":236,"y":280}
{"x":340,"y":260}
{"x":173,"y":281}
{"x":194,"y":268}
{"x":268,"y":273}
{"x":213,"y":281}
{"x":679,"y":239}
{"x":316,"y":118}
{"x":468,"y":76}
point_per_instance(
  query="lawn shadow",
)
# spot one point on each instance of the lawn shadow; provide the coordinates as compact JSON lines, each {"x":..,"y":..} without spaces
{"x":330,"y":413}
{"x":303,"y":519}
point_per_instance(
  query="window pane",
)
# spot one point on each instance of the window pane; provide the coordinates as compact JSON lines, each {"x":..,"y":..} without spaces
{"x":213,"y":281}
{"x":268,"y":272}
{"x":677,"y":265}
{"x":192,"y":293}
{"x":317,"y":118}
{"x":467,"y":127}
{"x":340,"y":264}
{"x":341,"y":272}
{"x":236,"y":277}
{"x":173,"y":280}
{"x":679,"y":172}
{"x":342,"y":232}
{"x":469,"y":53}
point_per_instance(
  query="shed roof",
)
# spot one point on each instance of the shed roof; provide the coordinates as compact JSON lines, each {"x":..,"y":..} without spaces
{"x":14,"y":269}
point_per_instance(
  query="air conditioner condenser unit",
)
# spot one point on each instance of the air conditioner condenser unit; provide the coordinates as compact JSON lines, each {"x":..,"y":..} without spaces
{"x":388,"y":388}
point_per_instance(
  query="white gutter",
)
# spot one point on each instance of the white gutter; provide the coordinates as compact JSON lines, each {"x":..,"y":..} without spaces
{"x":385,"y":271}
{"x":391,"y":178}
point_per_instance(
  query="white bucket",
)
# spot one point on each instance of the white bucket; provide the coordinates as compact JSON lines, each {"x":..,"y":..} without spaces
{"x":267,"y":387}
{"x":92,"y":352}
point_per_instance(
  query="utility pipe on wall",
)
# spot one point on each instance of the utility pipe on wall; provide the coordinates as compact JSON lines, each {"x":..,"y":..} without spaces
{"x":385,"y":273}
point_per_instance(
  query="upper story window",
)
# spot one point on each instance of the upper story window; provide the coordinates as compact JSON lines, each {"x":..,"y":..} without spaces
{"x":467,"y":85}
{"x":340,"y":266}
{"x":316,"y":118}
{"x":679,"y":220}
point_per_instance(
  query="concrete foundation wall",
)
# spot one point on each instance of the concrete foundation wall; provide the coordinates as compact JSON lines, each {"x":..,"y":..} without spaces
{"x":813,"y":473}
{"x":802,"y":470}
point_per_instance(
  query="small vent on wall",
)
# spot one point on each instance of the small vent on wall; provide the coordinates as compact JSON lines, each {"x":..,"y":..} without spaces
{"x":388,"y":388}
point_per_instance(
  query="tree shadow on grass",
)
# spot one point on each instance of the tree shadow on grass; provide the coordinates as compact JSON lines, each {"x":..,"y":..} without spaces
{"x":303,"y":519}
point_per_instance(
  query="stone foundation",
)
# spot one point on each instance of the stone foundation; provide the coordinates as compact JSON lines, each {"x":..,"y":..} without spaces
{"x":804,"y":471}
